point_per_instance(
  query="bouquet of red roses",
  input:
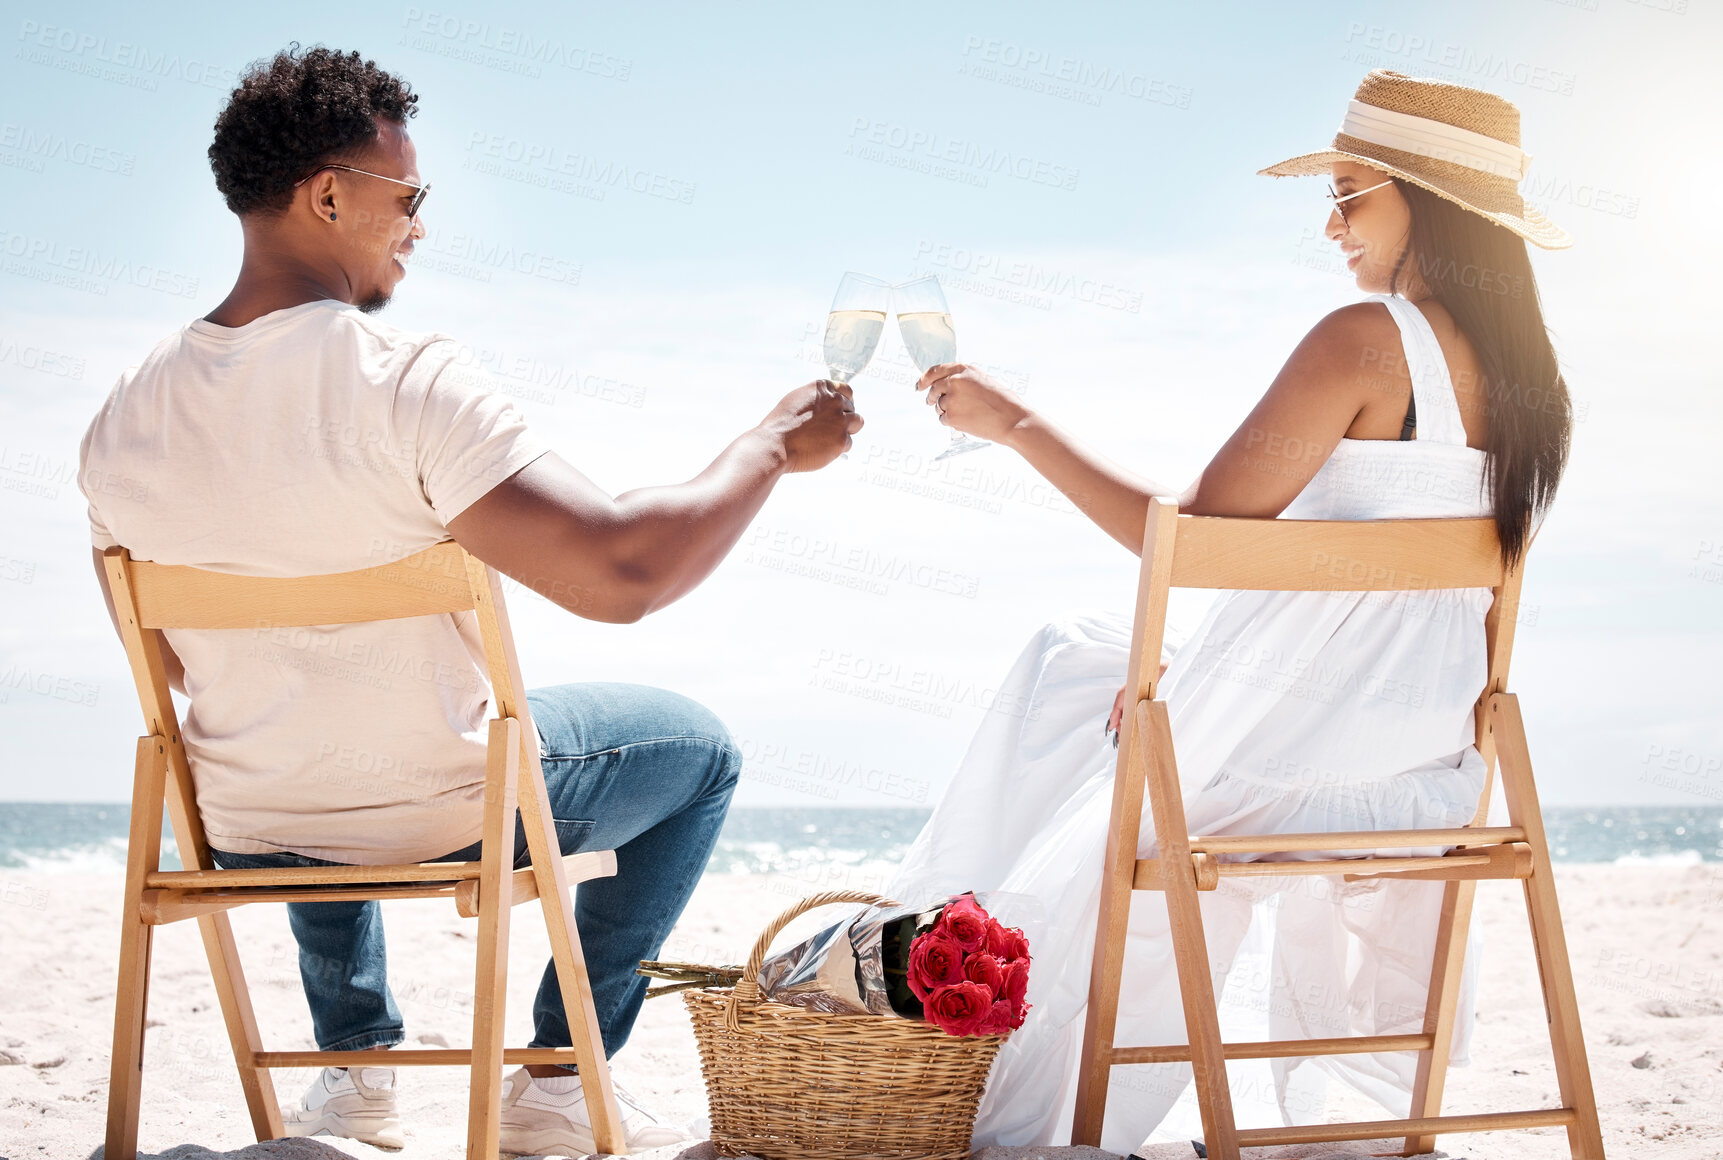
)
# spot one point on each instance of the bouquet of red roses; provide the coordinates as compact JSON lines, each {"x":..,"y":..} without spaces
{"x":970,"y":974}
{"x":950,"y":964}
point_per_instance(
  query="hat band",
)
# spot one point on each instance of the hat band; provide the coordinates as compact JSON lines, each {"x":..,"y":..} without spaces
{"x":1427,"y":137}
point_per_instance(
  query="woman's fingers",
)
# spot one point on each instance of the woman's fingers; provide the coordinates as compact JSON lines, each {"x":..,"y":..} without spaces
{"x":937,"y":372}
{"x":1116,"y":722}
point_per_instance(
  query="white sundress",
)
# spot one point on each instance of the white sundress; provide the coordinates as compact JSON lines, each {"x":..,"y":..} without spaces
{"x":1290,"y":712}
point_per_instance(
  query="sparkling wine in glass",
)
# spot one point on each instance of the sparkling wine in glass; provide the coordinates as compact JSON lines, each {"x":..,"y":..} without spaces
{"x":925,"y":323}
{"x":854,"y":325}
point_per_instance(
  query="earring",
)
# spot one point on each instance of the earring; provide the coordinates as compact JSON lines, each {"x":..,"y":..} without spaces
{"x":331,"y":217}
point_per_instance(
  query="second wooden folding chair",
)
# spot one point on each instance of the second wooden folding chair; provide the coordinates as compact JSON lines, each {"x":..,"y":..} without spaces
{"x":1275,"y":554}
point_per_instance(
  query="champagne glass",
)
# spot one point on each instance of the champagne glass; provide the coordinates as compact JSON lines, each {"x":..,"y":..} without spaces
{"x":853,"y":327}
{"x":925,"y":322}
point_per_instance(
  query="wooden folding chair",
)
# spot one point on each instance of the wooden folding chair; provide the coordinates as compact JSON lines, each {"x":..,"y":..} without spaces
{"x":1307,"y":555}
{"x":149,"y":597}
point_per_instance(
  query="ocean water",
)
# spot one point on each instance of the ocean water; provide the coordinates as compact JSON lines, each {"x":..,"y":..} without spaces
{"x":69,"y":837}
{"x":840,"y":843}
{"x":78,"y":837}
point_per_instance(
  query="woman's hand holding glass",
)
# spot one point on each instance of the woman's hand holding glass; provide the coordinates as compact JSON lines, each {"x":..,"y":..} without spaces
{"x":969,"y":401}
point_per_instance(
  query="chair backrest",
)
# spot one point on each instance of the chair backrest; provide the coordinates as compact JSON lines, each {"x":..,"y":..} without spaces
{"x":149,"y":597}
{"x":1183,"y":551}
{"x":176,"y":596}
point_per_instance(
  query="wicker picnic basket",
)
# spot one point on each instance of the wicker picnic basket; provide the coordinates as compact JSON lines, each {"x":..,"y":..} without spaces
{"x":787,"y":1083}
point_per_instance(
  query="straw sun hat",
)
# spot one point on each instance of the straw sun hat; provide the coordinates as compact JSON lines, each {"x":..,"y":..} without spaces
{"x":1461,"y":144}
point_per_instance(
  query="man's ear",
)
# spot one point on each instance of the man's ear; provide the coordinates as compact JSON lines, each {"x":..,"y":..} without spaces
{"x":321,"y":196}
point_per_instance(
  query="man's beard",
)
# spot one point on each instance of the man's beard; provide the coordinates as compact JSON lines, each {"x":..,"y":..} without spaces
{"x":374,"y":302}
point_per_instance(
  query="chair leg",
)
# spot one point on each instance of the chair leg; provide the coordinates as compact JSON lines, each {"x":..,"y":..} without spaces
{"x":1147,"y":761}
{"x":1445,"y":971}
{"x":241,"y":1020}
{"x":1190,"y":945}
{"x":1573,"y":1071}
{"x":1101,"y":1021}
{"x":490,"y":981}
{"x":553,"y":896}
{"x":131,"y":1001}
{"x":131,"y":992}
{"x":225,"y":969}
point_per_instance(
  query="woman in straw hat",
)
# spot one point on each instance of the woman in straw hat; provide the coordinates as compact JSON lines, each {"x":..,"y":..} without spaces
{"x":1438,"y":395}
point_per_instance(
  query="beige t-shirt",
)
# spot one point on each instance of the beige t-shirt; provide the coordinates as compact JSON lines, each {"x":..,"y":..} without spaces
{"x":314,"y":439}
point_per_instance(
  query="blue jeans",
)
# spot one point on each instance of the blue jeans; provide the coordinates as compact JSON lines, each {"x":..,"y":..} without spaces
{"x":629,"y":768}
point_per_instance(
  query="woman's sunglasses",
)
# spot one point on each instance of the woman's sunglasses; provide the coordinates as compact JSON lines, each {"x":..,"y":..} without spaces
{"x":1339,"y":200}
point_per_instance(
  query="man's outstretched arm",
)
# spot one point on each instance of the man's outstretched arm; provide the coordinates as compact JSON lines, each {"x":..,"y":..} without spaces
{"x":619,"y":558}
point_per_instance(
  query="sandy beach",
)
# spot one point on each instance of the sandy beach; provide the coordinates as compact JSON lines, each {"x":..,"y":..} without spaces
{"x":1646,"y":941}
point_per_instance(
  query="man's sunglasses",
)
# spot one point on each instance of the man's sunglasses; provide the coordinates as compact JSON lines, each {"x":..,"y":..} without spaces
{"x":419,"y":191}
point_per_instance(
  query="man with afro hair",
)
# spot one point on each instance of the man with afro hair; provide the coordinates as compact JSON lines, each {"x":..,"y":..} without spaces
{"x":290,"y":432}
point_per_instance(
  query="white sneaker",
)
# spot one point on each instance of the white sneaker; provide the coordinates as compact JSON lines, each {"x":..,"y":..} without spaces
{"x":536,"y":1122}
{"x":358,"y":1103}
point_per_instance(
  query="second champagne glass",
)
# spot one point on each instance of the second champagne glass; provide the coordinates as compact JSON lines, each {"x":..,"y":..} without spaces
{"x":925,"y":322}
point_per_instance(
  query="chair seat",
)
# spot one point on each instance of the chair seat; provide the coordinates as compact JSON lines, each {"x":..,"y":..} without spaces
{"x":312,"y":875}
{"x":1355,"y":840}
{"x":1467,"y":863}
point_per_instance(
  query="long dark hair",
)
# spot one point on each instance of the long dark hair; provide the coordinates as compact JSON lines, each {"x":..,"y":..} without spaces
{"x":1480,"y":272}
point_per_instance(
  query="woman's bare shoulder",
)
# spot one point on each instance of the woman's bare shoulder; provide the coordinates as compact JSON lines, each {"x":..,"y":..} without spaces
{"x":1345,"y":355}
{"x":1355,"y":326}
{"x":1346,"y":349}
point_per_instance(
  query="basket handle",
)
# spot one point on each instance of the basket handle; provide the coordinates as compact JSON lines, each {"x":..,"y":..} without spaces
{"x":747,"y":988}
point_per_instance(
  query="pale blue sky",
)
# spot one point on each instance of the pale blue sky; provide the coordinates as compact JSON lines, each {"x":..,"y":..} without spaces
{"x":775,"y":147}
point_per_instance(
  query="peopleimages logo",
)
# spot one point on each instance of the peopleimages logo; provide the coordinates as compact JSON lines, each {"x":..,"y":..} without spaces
{"x":51,"y":146}
{"x":88,"y":47}
{"x":473,"y":255}
{"x":820,"y":558}
{"x":936,"y":147}
{"x":450,"y":35}
{"x":40,"y":359}
{"x":1372,"y":43}
{"x":1030,"y":277}
{"x":539,"y":162}
{"x":46,"y":684}
{"x":1069,"y":77}
{"x":102,"y":267}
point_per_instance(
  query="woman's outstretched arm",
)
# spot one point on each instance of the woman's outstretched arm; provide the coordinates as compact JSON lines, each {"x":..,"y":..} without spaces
{"x":1109,"y":493}
{"x":1258,"y":471}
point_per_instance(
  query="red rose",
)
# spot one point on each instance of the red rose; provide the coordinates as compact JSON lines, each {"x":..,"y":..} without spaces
{"x":960,"y":1009}
{"x":1015,"y":986}
{"x":935,"y":960}
{"x":983,"y":968}
{"x":966,"y":922}
{"x":1002,"y":1019}
{"x":1005,"y":942}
